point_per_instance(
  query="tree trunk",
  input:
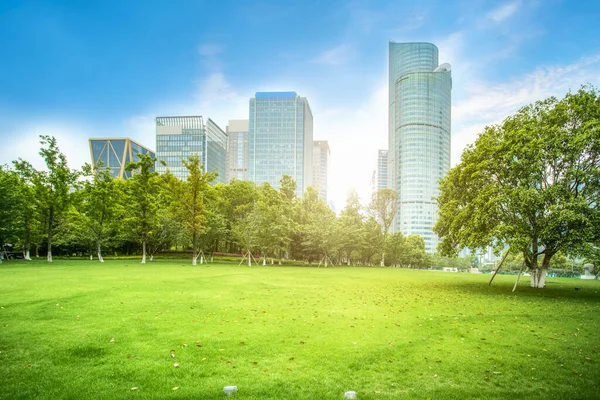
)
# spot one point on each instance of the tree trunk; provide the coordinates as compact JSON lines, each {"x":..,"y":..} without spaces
{"x":382,"y":259}
{"x":538,"y":277}
{"x":143,"y":251}
{"x":100,"y":253}
{"x":151,"y":257}
{"x":50,"y":222}
{"x":37,"y":251}
{"x":249,"y":259}
{"x":194,"y":258}
{"x":27,"y":245}
{"x":264,"y":261}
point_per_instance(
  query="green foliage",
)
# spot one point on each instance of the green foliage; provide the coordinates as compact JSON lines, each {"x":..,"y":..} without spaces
{"x":531,"y":182}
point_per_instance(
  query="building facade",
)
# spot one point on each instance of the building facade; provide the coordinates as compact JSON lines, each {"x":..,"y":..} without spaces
{"x":177,"y":138}
{"x":237,"y":149}
{"x":382,"y":169}
{"x":280,"y":139}
{"x":419,"y":135}
{"x":115,"y":153}
{"x":321,"y":154}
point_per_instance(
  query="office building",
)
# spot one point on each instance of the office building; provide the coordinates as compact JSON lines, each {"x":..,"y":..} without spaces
{"x":382,"y":167}
{"x":177,"y":138}
{"x":321,"y":167}
{"x":419,"y":135}
{"x":237,"y":150}
{"x":115,"y":154}
{"x":280,"y":139}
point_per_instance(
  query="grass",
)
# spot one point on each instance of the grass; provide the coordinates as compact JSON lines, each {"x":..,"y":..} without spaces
{"x":79,"y":329}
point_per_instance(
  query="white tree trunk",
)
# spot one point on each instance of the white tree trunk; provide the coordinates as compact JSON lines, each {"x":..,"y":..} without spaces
{"x":194,"y":258}
{"x":264,"y":261}
{"x":382,"y":259}
{"x":27,"y":255}
{"x":91,"y":257}
{"x":144,"y":252}
{"x":151,"y":257}
{"x":249,"y":259}
{"x":100,"y":253}
{"x":271,"y":260}
{"x":50,"y":256}
{"x":538,"y":278}
{"x":201,"y":259}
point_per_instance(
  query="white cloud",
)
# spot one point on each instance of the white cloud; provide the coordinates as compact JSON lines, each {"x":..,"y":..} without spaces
{"x":336,"y":56}
{"x":504,"y":11}
{"x":486,"y":103}
{"x":25,"y":143}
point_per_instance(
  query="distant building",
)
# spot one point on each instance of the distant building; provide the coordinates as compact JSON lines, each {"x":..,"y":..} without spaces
{"x":237,"y":150}
{"x":115,"y":154}
{"x":280,"y":139}
{"x":321,"y":155}
{"x":382,"y":169}
{"x":419,"y":135}
{"x":177,"y":138}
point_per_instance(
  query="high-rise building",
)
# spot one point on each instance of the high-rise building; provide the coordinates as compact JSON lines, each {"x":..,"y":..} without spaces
{"x":115,"y":154}
{"x":321,"y":167}
{"x":280,"y":140}
{"x":180,"y":137}
{"x":382,"y":169}
{"x":237,"y":150}
{"x":419,"y":135}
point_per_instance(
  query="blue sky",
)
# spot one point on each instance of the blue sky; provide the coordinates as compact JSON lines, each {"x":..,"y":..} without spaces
{"x":79,"y":69}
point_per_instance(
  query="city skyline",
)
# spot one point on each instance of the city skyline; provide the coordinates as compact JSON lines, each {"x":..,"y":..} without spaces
{"x":64,"y":76}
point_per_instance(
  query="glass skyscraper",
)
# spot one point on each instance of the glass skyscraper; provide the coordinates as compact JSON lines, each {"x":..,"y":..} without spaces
{"x":419,"y":135}
{"x":321,"y":167}
{"x":115,"y":154}
{"x":237,"y":150}
{"x":280,"y":140}
{"x":180,"y":137}
{"x":382,"y":169}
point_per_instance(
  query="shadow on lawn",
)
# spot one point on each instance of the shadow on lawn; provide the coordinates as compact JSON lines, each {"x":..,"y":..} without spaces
{"x":584,"y":291}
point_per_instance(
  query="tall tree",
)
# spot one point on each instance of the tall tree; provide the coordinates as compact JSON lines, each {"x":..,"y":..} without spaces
{"x":101,"y":206}
{"x":9,"y":206}
{"x":383,"y":207}
{"x":53,"y":185}
{"x":350,"y":225}
{"x":142,"y":201}
{"x":189,"y":201}
{"x":532,"y":182}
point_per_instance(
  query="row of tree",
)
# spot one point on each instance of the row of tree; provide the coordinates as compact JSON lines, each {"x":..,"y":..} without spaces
{"x":88,"y":211}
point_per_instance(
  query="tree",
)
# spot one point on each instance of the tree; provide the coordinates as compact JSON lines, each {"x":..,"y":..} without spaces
{"x":188,"y":201}
{"x":53,"y":186}
{"x":350,"y":225}
{"x":9,"y":205}
{"x":101,"y":206}
{"x":142,"y":201}
{"x":383,"y":206}
{"x":531,"y":182}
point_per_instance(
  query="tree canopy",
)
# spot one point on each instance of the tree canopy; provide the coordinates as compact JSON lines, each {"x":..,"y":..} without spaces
{"x":531,"y":182}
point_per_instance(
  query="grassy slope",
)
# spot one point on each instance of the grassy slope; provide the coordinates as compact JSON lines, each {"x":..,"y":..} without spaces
{"x":291,"y":332}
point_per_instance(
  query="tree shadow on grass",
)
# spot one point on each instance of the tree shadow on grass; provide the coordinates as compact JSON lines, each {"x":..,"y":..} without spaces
{"x":556,"y":289}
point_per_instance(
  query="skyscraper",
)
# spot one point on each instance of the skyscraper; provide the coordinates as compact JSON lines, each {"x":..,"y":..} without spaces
{"x":180,"y":137}
{"x":237,"y":150}
{"x":419,"y":135}
{"x":280,"y":140}
{"x":115,"y":154}
{"x":382,"y":169}
{"x":321,"y":167}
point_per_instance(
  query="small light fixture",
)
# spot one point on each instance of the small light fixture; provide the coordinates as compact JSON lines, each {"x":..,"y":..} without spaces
{"x":229,"y":390}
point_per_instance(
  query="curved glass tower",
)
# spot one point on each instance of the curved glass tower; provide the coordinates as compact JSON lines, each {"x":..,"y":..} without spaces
{"x":419,"y":135}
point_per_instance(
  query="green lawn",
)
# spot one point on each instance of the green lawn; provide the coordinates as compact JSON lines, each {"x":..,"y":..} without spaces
{"x":79,"y":329}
